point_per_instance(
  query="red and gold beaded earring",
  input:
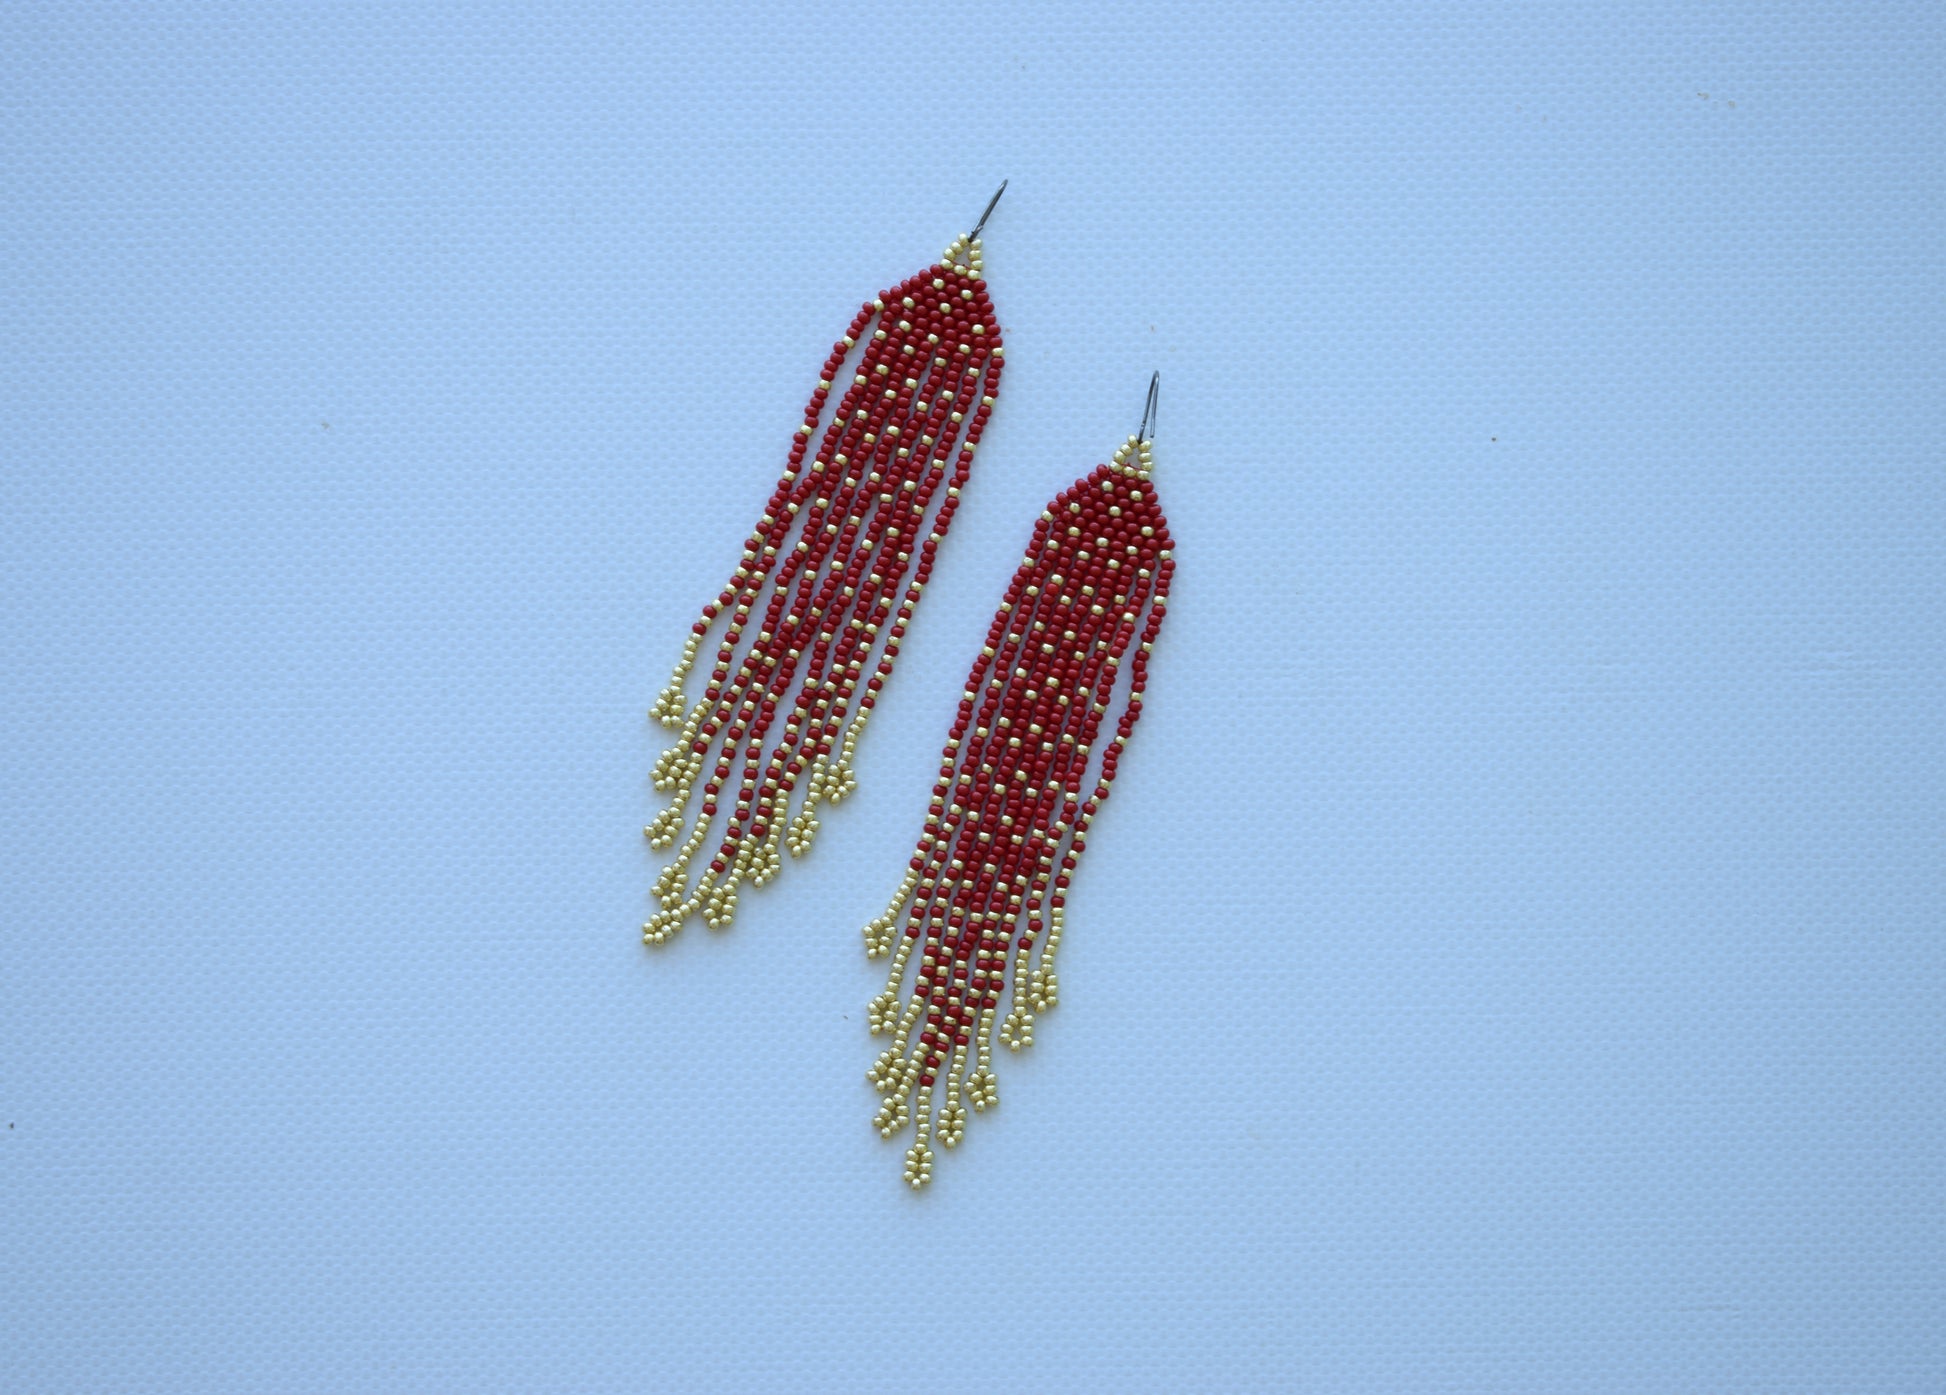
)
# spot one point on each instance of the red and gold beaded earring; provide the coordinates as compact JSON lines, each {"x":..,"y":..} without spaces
{"x":843,"y":547}
{"x":982,"y":902}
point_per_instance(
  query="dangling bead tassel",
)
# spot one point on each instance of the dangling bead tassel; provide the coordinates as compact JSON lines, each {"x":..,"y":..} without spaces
{"x":832,"y":573}
{"x":982,"y":901}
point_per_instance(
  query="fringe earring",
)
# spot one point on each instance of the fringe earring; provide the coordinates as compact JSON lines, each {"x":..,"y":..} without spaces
{"x":982,"y":902}
{"x":842,"y":548}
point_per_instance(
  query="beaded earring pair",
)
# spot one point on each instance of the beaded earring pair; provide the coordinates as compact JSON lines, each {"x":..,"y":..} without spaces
{"x":833,"y":572}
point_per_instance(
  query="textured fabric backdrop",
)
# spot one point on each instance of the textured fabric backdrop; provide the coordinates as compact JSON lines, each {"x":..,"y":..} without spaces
{"x":1513,"y":958}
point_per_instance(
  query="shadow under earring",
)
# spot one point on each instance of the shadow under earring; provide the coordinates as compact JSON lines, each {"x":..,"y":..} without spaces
{"x":982,"y":903}
{"x":832,"y":573}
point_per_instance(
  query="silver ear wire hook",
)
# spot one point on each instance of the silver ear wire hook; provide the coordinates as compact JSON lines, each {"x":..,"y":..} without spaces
{"x":988,"y":212}
{"x":1147,"y":429}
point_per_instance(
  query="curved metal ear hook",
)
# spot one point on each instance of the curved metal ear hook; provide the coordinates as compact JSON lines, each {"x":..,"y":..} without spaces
{"x":1147,"y":429}
{"x":988,"y":212}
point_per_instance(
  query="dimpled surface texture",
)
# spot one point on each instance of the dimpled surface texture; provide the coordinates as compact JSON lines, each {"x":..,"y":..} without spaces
{"x":1512,"y":960}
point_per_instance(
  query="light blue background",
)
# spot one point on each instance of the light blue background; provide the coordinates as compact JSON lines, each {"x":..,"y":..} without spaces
{"x":1514,"y":959}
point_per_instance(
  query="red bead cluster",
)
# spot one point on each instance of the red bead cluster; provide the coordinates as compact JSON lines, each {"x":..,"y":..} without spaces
{"x":1019,"y":783}
{"x":833,"y":572}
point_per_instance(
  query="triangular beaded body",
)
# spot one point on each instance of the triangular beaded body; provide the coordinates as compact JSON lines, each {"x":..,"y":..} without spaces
{"x":982,"y":902}
{"x":808,"y":627}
